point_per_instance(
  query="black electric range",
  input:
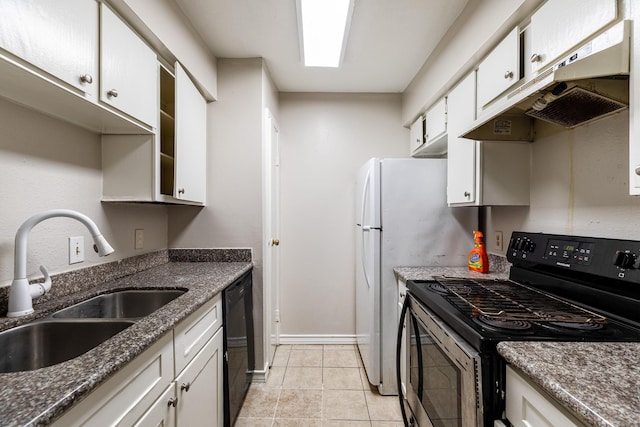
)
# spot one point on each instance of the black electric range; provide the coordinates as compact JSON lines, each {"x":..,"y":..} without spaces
{"x":560,"y":288}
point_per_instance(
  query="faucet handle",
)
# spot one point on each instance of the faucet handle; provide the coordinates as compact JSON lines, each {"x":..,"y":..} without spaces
{"x":38,"y":289}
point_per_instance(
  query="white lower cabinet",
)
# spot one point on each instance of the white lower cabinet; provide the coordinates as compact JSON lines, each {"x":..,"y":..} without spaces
{"x":527,"y":406}
{"x":200,"y":391}
{"x":196,"y":397}
{"x":126,"y":396}
{"x":163,"y":412}
{"x":177,"y":381}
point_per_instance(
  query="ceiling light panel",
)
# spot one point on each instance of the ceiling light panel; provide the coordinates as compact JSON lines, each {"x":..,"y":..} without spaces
{"x":325,"y":24}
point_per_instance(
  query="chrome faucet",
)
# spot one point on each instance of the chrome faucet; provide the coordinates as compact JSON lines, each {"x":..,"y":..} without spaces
{"x":22,"y":293}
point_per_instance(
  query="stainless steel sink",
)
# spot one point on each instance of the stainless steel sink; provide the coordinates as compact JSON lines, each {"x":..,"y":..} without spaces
{"x":46,"y":343}
{"x":130,"y":304}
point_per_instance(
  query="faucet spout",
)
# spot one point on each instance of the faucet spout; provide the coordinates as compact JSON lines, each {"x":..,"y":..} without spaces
{"x":22,"y":293}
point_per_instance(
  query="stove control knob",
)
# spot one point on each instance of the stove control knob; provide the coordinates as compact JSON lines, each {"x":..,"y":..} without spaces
{"x":624,"y":259}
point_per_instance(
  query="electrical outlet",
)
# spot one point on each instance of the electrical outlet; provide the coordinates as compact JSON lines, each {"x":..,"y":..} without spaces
{"x":76,"y":249}
{"x":498,"y":240}
{"x":139,"y":239}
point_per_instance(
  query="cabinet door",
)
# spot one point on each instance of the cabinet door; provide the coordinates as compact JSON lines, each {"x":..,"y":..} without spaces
{"x":461,"y":163}
{"x":416,"y":134}
{"x":559,"y":25}
{"x":200,"y":387}
{"x":191,"y":140}
{"x":436,"y":119}
{"x":128,"y":70}
{"x":59,"y":37}
{"x":500,"y":69}
{"x":163,"y":412}
{"x":526,"y":406}
{"x":126,"y":396}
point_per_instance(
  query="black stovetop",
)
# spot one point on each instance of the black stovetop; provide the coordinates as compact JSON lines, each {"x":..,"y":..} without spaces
{"x":560,"y":288}
{"x":483,"y":329}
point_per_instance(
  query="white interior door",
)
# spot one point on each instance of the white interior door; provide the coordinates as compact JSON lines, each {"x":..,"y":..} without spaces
{"x":272,"y":236}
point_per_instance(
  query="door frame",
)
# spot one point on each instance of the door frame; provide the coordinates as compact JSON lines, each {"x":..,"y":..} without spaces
{"x":271,"y":221}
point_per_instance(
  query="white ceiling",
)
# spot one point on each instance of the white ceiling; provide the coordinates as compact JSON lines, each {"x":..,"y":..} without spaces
{"x":389,"y":40}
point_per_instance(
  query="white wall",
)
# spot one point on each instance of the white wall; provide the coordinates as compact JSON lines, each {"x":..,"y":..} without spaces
{"x":233,"y":215}
{"x":47,"y":164}
{"x":579,"y":184}
{"x":324,"y":139}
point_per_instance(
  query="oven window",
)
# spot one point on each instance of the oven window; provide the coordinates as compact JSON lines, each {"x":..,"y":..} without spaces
{"x":434,"y":378}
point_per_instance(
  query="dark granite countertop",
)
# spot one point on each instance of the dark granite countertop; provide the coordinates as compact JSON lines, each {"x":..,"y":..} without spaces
{"x":598,"y":382}
{"x":38,"y":397}
{"x":498,"y":269}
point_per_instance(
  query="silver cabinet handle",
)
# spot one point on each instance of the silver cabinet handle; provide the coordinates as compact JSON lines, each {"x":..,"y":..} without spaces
{"x":535,"y":57}
{"x":173,"y":402}
{"x":185,"y":387}
{"x":637,"y":170}
{"x":86,"y":78}
{"x":467,"y":194}
{"x":180,"y":190}
{"x":113,"y":93}
{"x":508,"y":75}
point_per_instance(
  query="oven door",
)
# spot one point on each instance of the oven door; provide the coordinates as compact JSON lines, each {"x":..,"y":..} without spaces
{"x":444,"y":377}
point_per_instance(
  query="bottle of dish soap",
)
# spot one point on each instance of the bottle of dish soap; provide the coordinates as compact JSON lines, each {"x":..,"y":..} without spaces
{"x":478,"y":259}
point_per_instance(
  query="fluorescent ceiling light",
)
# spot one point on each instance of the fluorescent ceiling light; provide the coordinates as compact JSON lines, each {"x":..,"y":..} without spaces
{"x":325,"y":24}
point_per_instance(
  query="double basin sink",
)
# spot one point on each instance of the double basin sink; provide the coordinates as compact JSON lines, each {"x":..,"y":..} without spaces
{"x":74,"y":330}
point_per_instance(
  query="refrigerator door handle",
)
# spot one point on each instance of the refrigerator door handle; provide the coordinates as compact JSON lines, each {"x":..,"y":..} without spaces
{"x":365,"y":194}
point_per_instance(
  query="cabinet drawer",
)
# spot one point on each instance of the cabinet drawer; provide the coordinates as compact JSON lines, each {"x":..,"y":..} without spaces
{"x":526,"y":406}
{"x":192,"y":334}
{"x":124,"y":397}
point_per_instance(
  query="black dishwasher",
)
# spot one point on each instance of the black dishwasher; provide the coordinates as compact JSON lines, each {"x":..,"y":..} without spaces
{"x":237,"y":309}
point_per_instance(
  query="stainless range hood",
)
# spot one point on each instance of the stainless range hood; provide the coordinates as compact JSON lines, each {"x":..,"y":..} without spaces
{"x":590,"y":83}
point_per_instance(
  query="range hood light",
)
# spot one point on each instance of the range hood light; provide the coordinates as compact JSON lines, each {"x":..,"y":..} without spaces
{"x":541,"y":103}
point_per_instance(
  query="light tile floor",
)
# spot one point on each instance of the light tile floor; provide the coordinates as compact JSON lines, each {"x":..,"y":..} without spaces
{"x":318,"y":386}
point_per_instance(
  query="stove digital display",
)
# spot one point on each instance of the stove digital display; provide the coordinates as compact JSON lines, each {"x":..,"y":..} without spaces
{"x":569,"y":251}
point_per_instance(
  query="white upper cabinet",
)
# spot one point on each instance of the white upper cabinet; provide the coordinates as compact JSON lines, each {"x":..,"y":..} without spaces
{"x":559,"y":25}
{"x":500,"y":69}
{"x":191,"y":140}
{"x":461,"y":163}
{"x":436,"y":120}
{"x":482,"y":173}
{"x":128,"y":70}
{"x":59,"y":37}
{"x":416,"y":134}
{"x":429,"y":133}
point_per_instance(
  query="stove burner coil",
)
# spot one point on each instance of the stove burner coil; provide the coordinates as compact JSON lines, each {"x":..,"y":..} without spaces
{"x":506,"y":324}
{"x":577,"y":326}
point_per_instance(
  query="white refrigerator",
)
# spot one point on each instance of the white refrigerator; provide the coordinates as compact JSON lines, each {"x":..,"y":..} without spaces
{"x":402,"y":219}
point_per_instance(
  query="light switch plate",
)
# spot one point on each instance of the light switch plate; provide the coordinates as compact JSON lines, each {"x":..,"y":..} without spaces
{"x":76,"y":249}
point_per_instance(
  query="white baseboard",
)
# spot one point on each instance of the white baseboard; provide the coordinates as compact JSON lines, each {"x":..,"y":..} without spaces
{"x":317,"y":339}
{"x":261,"y":376}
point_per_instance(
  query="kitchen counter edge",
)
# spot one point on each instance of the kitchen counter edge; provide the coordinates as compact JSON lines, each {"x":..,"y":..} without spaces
{"x":596,"y":382}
